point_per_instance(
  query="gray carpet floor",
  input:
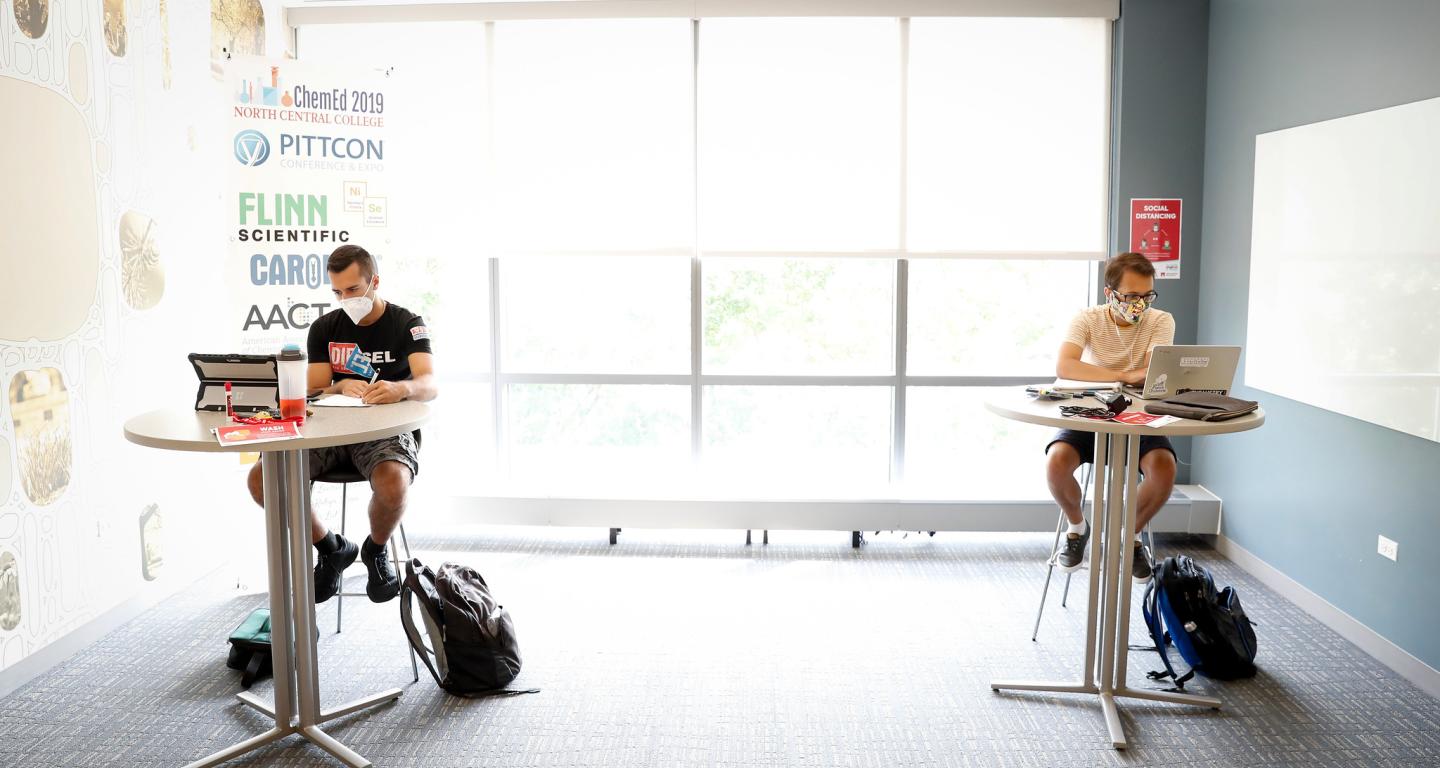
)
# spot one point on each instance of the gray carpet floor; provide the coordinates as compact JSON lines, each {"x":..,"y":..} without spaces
{"x":682,"y":648}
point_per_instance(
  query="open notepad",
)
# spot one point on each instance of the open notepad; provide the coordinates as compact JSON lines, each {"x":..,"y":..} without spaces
{"x":341,"y":401}
{"x":1072,"y":385}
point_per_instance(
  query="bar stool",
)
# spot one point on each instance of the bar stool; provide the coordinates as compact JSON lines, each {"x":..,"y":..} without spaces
{"x":345,"y":473}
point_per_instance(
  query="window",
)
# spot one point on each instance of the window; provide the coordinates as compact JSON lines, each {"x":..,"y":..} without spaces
{"x":954,"y":448}
{"x":597,"y":438}
{"x":694,"y":231}
{"x":596,"y":315}
{"x":974,"y":317}
{"x":799,"y":316}
{"x":823,"y":442}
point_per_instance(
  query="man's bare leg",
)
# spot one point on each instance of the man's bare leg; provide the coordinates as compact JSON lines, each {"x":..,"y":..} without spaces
{"x":1061,"y":463}
{"x":390,"y":487}
{"x":1159,"y":468}
{"x":256,"y":483}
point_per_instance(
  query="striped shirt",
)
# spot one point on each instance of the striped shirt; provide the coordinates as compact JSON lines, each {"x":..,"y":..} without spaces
{"x":1115,"y":347}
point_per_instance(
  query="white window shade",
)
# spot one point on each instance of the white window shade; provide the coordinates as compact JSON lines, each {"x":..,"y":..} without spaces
{"x":799,"y":140}
{"x":592,"y":136}
{"x":1007,"y":135}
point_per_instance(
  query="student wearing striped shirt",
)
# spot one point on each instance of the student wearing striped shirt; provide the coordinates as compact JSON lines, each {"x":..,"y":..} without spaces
{"x":1112,"y":342}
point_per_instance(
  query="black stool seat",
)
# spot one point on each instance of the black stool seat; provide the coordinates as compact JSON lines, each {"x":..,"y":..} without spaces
{"x":342,"y":473}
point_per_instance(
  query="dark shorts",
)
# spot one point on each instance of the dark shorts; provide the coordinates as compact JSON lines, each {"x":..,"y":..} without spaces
{"x":366,"y":456}
{"x":1084,"y":442}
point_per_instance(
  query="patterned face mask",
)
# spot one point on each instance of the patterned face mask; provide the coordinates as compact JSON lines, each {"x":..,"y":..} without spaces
{"x":1128,"y":311}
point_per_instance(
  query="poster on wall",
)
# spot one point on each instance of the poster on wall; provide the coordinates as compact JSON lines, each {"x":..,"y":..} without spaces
{"x":1155,"y":233}
{"x":307,"y":153}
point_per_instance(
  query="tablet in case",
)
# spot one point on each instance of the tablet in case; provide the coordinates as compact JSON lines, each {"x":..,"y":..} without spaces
{"x":255,"y":384}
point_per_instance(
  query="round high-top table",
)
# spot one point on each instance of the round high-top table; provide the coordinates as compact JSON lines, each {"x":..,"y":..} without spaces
{"x":296,"y":707}
{"x":1117,"y":473}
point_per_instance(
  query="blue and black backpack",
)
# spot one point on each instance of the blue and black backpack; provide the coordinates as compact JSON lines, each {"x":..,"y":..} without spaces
{"x":1208,"y":628}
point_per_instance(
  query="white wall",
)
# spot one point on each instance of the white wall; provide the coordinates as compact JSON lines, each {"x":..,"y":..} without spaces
{"x":110,"y":238}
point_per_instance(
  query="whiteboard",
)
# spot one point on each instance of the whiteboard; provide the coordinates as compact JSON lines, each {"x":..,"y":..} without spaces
{"x":1345,"y":267}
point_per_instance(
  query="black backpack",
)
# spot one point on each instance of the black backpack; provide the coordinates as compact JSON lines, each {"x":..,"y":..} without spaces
{"x":1208,"y":628}
{"x":471,"y":649}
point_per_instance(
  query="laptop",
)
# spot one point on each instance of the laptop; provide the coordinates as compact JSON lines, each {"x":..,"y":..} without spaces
{"x":254,"y":383}
{"x":1175,"y":369}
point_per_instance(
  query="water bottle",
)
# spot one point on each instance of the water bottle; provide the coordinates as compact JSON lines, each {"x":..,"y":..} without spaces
{"x":291,"y":368}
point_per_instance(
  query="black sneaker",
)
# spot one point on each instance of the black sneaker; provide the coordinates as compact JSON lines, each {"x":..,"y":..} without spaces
{"x":384,"y":583}
{"x":328,"y":568}
{"x":1140,"y":568}
{"x":1072,"y":552}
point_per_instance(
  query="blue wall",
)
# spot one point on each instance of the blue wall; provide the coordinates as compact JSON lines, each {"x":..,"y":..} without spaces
{"x":1309,"y":491}
{"x":1159,"y":139}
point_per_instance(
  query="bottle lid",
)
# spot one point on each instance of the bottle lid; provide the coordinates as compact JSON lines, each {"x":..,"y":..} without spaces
{"x":291,"y":352}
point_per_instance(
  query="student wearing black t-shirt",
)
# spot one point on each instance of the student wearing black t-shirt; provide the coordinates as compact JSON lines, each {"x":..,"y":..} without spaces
{"x":366,"y":334}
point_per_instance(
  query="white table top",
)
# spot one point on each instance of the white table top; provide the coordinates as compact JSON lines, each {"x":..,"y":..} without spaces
{"x":1015,"y":404}
{"x":183,"y":429}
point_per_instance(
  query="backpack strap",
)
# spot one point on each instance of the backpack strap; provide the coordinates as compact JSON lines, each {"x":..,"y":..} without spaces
{"x":1149,"y":606}
{"x":258,"y":661}
{"x":496,"y":692}
{"x":413,"y":634}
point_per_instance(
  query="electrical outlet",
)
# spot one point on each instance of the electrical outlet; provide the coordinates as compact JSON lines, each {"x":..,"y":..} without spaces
{"x":1389,"y":549}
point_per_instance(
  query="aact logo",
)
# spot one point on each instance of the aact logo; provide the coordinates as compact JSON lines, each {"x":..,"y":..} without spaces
{"x":251,"y":148}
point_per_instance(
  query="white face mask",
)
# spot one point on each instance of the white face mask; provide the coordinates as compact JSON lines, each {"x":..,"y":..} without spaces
{"x":358,"y":307}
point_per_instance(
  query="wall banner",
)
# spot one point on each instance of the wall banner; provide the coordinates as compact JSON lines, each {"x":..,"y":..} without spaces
{"x":307,"y":149}
{"x":1155,"y":232}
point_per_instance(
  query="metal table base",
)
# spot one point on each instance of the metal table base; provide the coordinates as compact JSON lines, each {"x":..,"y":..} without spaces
{"x":296,"y":708}
{"x":1107,"y":632}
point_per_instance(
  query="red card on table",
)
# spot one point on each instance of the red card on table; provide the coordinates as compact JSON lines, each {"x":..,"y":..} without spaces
{"x":243,"y":434}
{"x":1136,"y":417}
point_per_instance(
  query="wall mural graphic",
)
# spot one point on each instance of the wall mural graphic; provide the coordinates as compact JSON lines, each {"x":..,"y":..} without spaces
{"x":152,"y":545}
{"x":236,"y":27}
{"x":165,"y":74}
{"x":9,"y":592}
{"x":79,"y":68}
{"x":92,"y":323}
{"x":4,"y":475}
{"x":32,"y":16}
{"x":40,"y":411}
{"x":50,"y":228}
{"x":115,"y":26}
{"x":142,"y":278}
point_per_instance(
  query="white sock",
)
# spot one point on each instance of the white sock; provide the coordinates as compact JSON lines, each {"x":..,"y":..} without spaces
{"x":1077,"y":528}
{"x":1137,"y":539}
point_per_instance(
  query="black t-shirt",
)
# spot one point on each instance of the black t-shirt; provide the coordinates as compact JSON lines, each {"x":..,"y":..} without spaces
{"x":385,"y":344}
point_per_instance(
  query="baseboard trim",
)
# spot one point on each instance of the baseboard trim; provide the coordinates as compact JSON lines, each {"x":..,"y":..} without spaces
{"x":1192,"y":509}
{"x":1426,"y":677}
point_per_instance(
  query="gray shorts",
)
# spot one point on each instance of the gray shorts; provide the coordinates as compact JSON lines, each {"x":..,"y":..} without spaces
{"x":366,"y":456}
